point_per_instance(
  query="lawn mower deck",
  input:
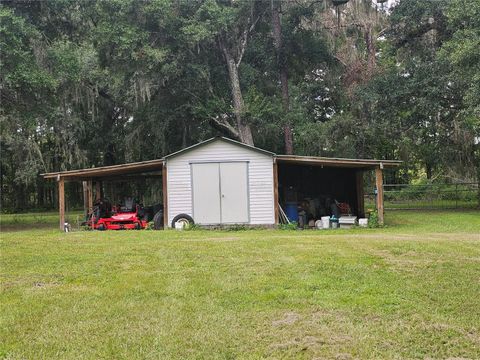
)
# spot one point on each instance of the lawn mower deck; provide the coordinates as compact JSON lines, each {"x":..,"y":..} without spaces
{"x":121,"y":221}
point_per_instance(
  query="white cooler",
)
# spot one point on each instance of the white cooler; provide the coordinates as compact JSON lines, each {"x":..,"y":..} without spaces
{"x":346,"y":222}
{"x":363,"y":222}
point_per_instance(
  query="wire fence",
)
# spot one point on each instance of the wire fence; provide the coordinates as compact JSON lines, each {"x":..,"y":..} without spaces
{"x":428,"y":196}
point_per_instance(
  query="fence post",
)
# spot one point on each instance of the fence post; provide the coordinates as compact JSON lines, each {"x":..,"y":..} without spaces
{"x":61,"y":201}
{"x":379,"y":185}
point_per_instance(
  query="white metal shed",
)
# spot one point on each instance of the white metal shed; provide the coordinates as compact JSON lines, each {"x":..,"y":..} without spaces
{"x":221,"y":181}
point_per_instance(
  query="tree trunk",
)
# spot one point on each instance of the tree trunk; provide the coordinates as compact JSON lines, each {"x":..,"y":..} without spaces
{"x":428,"y":170}
{"x":184,"y":134}
{"x":371,"y":50}
{"x":477,"y":161}
{"x":3,"y":197}
{"x":244,"y":131}
{"x":40,"y":188}
{"x":19,"y":192}
{"x":283,"y":70}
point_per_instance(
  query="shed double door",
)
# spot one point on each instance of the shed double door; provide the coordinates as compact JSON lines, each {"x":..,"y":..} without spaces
{"x":220,"y":193}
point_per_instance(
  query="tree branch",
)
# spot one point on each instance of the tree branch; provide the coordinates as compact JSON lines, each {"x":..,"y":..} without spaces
{"x":244,"y":38}
{"x":221,"y":44}
{"x":224,"y":126}
{"x":339,"y":60}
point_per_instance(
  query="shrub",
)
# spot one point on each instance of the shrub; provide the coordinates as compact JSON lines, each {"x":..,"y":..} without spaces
{"x":191,"y":227}
{"x":292,"y":226}
{"x":237,"y":227}
{"x":373,"y":220}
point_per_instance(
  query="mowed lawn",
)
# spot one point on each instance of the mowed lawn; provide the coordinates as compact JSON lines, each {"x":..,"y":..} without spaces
{"x":411,"y":290}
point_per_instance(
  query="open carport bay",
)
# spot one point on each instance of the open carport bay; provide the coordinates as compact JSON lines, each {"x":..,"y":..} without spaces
{"x":317,"y":188}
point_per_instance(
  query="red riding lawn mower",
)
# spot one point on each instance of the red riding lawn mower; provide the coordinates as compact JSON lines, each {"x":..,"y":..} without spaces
{"x":130,"y":215}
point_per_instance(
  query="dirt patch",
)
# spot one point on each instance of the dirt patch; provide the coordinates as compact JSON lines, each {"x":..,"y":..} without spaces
{"x":224,"y":238}
{"x":343,"y":356}
{"x":218,"y":239}
{"x":311,"y":332}
{"x":470,"y":334}
{"x":407,"y":261}
{"x":38,"y":285}
{"x":473,"y":336}
{"x":301,"y":344}
{"x":459,"y":236}
{"x":288,"y":319}
{"x":30,"y":281}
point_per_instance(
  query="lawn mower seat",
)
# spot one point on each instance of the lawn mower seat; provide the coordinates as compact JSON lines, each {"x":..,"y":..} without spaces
{"x":129,"y":205}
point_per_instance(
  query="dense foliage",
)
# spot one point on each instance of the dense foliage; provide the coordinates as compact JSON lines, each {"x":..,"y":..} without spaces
{"x":91,"y":83}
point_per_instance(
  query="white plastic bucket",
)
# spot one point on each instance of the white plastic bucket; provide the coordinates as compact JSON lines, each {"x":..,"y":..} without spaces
{"x":325,"y":222}
{"x":179,"y":225}
{"x":363,"y":222}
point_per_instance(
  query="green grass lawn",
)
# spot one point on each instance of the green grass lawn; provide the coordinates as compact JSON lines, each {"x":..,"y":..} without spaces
{"x":38,"y":220}
{"x":426,"y":204}
{"x":410,"y":290}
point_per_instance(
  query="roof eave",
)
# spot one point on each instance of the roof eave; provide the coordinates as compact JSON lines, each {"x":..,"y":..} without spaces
{"x":339,"y":162}
{"x":106,"y":170}
{"x":218,"y":138}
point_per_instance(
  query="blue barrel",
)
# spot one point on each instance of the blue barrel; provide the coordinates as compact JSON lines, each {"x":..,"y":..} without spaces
{"x":291,"y":209}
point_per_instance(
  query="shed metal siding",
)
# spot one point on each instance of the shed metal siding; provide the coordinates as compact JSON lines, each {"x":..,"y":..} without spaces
{"x":260,"y":170}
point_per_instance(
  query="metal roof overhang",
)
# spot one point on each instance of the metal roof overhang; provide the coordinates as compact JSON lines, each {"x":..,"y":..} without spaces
{"x":336,"y":162}
{"x":106,"y":171}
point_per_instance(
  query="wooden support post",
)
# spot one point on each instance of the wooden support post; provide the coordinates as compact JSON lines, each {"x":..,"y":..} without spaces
{"x":61,"y":201}
{"x":165,"y":195}
{"x":90,"y":195}
{"x":360,"y":194}
{"x":275,"y":192}
{"x":85,"y":198}
{"x":379,"y":185}
{"x":98,"y":190}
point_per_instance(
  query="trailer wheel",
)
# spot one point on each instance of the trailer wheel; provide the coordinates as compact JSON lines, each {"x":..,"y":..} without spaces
{"x":184,"y":219}
{"x":158,"y":220}
{"x":101,"y":227}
